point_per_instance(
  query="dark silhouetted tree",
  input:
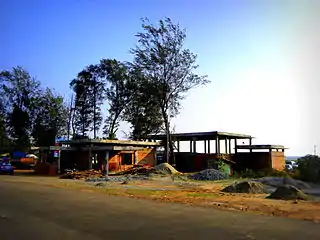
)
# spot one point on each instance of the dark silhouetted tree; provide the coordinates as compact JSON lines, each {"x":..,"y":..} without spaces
{"x":170,"y":67}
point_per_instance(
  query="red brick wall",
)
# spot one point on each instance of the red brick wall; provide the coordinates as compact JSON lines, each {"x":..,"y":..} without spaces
{"x":278,"y":161}
{"x":143,"y":157}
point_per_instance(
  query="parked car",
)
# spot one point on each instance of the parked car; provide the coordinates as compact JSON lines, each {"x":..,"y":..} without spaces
{"x":6,"y":167}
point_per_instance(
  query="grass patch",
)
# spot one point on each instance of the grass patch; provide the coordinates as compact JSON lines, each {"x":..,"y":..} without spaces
{"x":202,"y":195}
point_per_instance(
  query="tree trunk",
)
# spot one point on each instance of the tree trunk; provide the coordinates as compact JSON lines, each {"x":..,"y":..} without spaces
{"x":167,"y":130}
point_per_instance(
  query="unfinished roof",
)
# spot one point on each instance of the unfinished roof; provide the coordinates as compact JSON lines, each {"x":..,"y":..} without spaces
{"x":261,"y":147}
{"x":109,"y":142}
{"x":201,"y":136}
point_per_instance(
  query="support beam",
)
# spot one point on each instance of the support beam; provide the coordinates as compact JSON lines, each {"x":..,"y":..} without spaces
{"x":205,"y":146}
{"x":208,"y":146}
{"x":250,"y":143}
{"x":226,"y":145}
{"x":229,"y":146}
{"x":90,"y":157}
{"x":191,"y":146}
{"x":178,"y":146}
{"x":235,"y":146}
{"x":107,"y":163}
{"x":217,"y":145}
{"x":194,"y":146}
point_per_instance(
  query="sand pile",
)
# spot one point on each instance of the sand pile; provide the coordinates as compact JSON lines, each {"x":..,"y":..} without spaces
{"x":288,"y":192}
{"x":164,"y":168}
{"x":245,"y":187}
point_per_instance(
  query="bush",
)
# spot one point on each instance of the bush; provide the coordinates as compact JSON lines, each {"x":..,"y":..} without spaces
{"x":309,"y":168}
{"x":249,"y":173}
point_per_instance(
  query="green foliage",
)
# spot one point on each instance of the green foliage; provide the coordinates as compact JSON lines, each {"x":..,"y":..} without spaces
{"x":89,"y":95}
{"x":249,"y":173}
{"x":118,"y":93}
{"x":309,"y":168}
{"x":50,"y":118}
{"x":167,"y":65}
{"x":18,"y":92}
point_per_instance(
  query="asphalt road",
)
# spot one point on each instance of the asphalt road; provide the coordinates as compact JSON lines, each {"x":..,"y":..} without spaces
{"x":31,"y":211}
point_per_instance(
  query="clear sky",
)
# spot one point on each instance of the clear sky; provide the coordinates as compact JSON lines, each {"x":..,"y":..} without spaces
{"x":261,"y":57}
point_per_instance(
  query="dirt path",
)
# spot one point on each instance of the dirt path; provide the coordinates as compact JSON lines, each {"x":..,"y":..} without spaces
{"x":32,"y":211}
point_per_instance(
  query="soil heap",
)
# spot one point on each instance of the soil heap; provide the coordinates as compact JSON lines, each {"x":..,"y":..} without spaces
{"x":165,"y":168}
{"x":288,"y":192}
{"x":245,"y":187}
{"x":209,"y":174}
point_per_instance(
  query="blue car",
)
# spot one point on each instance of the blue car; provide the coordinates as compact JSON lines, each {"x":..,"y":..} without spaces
{"x":6,"y":167}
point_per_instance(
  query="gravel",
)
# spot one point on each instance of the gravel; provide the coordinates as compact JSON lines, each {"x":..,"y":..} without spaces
{"x":209,"y":174}
{"x":116,"y":178}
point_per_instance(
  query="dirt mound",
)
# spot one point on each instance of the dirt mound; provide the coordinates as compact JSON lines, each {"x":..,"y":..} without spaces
{"x":288,"y":192}
{"x":282,"y":181}
{"x":245,"y":187}
{"x":209,"y":174}
{"x":81,"y":174}
{"x":165,"y":168}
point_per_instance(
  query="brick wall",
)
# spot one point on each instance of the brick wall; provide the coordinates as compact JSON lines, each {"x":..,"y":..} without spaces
{"x":278,"y":160}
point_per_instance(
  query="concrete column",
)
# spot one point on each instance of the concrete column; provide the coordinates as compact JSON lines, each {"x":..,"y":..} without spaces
{"x":107,"y":162}
{"x":191,"y":146}
{"x":208,"y":146}
{"x":226,"y":145}
{"x":90,"y":158}
{"x":217,"y":145}
{"x":194,"y":146}
{"x":229,"y":140}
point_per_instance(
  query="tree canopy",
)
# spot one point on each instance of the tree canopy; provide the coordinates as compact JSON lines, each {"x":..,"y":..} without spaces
{"x":145,"y":93}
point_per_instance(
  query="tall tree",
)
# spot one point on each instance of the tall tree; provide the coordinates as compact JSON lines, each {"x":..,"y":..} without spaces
{"x":170,"y":67}
{"x":89,"y":95}
{"x":142,"y":112}
{"x":19,"y":89}
{"x":51,"y":118}
{"x":118,"y":93}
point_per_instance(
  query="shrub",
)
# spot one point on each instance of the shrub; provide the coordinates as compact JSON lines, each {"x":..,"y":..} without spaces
{"x":309,"y":168}
{"x":249,"y":173}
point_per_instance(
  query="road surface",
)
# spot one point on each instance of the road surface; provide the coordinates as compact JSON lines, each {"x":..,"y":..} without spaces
{"x":32,"y":211}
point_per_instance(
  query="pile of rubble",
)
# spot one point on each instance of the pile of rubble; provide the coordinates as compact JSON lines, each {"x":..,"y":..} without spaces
{"x":82,"y":174}
{"x":283,"y":181}
{"x":288,"y":192}
{"x":245,"y":187}
{"x":210,"y":175}
{"x":136,"y":172}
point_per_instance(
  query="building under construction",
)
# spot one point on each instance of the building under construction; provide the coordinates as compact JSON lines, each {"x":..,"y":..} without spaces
{"x":224,"y":145}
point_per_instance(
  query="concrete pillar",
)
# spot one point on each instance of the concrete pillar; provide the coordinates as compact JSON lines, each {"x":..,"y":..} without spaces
{"x":208,"y":146}
{"x":217,"y":145}
{"x":107,"y":163}
{"x":226,"y":145}
{"x":194,"y":146}
{"x":191,"y":146}
{"x":229,"y":140}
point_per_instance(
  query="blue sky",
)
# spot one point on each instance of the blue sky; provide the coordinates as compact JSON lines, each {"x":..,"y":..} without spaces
{"x":249,"y":49}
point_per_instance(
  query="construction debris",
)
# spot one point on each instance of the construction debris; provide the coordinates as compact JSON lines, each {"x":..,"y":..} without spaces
{"x":282,"y":181}
{"x":288,"y":192}
{"x":82,"y":174}
{"x":245,"y":187}
{"x":165,"y":168}
{"x":209,"y":174}
{"x":136,"y":170}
